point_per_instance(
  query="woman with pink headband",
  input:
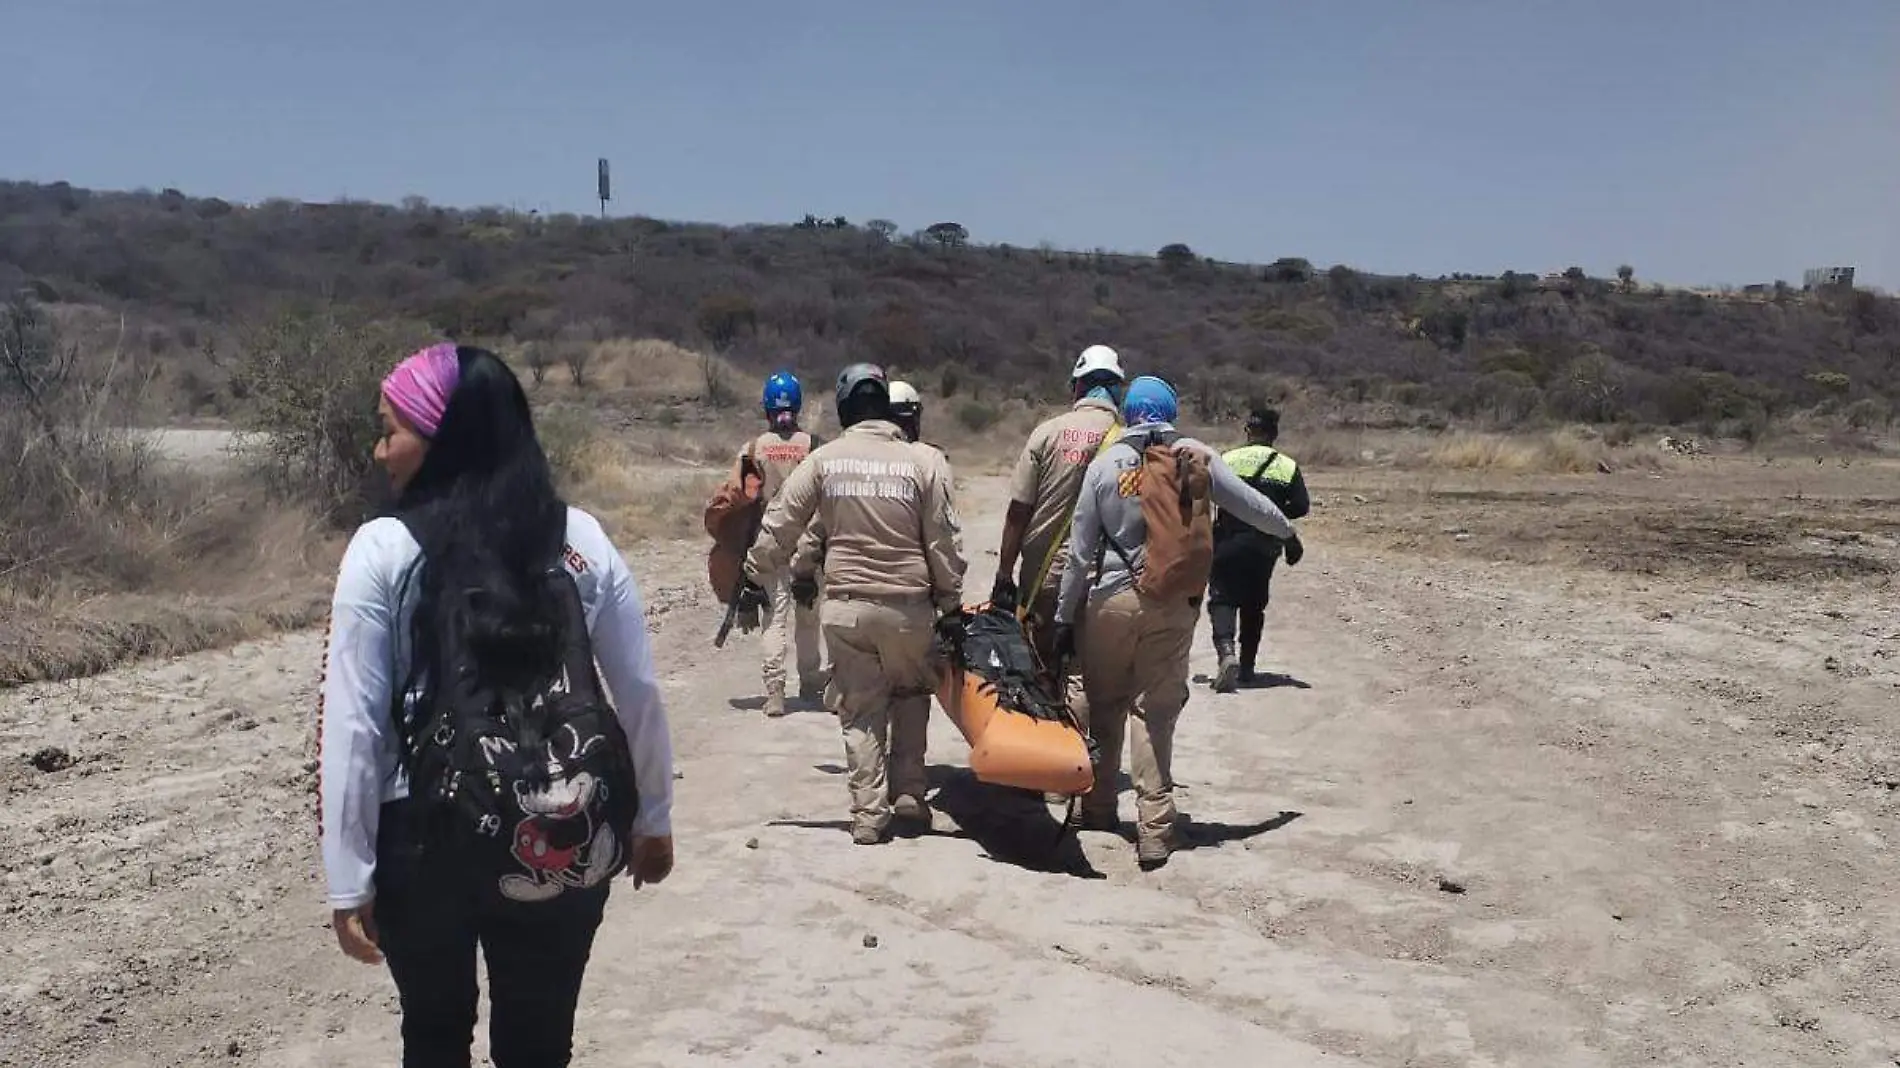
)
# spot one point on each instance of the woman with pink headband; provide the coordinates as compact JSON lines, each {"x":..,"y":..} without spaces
{"x":478,"y":787}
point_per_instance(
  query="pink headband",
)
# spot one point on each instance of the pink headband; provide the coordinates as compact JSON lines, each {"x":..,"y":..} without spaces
{"x":420,"y":386}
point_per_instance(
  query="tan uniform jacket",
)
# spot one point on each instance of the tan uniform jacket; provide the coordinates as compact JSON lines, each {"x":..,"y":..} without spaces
{"x":887,"y":514}
{"x":810,"y":556}
{"x":1048,"y":478}
{"x":777,"y":455}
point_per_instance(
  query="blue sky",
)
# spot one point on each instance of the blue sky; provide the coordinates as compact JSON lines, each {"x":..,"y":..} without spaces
{"x":1702,"y":142}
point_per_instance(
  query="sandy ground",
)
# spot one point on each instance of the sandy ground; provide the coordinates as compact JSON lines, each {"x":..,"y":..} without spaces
{"x":1505,"y":815}
{"x":195,"y":447}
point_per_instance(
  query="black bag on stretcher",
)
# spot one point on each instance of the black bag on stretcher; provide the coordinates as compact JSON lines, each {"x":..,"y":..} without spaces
{"x":993,"y":688}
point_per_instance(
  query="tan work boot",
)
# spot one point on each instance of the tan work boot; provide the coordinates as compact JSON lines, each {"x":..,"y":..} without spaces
{"x":1151,"y":851}
{"x":867,"y":834}
{"x":911,"y":809}
{"x":775,"y":705}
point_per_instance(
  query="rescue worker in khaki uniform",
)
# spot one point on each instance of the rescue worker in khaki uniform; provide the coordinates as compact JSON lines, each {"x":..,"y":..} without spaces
{"x":1135,"y":648}
{"x":892,"y":566}
{"x":907,"y":410}
{"x":1043,"y":491}
{"x":777,"y":452}
{"x":1244,"y":558}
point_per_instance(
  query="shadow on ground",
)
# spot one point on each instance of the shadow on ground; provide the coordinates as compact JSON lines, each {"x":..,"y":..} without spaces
{"x":792,"y":704}
{"x":1198,"y":835}
{"x":1271,"y":681}
{"x":1266,"y":680}
{"x":1013,"y":826}
{"x":1018,"y":827}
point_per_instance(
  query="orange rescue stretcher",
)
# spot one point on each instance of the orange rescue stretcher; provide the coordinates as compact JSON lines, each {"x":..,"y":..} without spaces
{"x":991,"y":686}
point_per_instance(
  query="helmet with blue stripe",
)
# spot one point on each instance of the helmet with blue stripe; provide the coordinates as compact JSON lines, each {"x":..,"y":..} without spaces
{"x":782,"y":394}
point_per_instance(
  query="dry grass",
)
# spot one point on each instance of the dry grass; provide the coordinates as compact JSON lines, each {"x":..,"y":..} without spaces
{"x":54,"y":638}
{"x":647,"y":372}
{"x":1718,"y":519}
{"x":990,"y":449}
{"x":190,"y":567}
{"x":106,"y":550}
{"x":635,"y":498}
{"x":1559,"y":452}
{"x":1567,"y":451}
{"x":661,"y":370}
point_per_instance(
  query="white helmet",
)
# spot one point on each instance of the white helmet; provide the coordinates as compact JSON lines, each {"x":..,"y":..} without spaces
{"x":1096,"y":358}
{"x":903,"y":393}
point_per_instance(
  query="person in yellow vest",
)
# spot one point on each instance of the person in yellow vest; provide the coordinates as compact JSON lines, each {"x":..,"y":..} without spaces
{"x":1244,"y":557}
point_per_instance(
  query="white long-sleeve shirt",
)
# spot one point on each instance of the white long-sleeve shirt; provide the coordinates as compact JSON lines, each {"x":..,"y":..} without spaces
{"x":359,"y":765}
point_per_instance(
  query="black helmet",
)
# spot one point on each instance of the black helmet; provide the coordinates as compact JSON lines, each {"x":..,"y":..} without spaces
{"x":862,"y":386}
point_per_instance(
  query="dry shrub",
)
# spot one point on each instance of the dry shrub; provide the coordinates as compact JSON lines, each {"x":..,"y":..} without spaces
{"x":568,"y":437}
{"x":83,"y":508}
{"x":108,"y":552}
{"x":660,"y":370}
{"x":313,"y":374}
{"x":633,"y":496}
{"x":637,"y":500}
{"x":235,"y":573}
{"x":993,"y":447}
{"x":1560,"y":452}
{"x":48,"y":640}
{"x":655,"y":373}
{"x":667,"y":441}
{"x":977,"y":416}
{"x":1329,"y":448}
{"x":83,"y":499}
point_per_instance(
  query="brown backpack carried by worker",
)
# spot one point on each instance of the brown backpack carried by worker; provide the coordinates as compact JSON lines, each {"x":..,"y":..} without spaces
{"x":1176,"y":490}
{"x":732,"y":518}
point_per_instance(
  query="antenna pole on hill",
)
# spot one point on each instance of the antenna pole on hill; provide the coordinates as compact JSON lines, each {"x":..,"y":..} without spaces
{"x":606,"y":191}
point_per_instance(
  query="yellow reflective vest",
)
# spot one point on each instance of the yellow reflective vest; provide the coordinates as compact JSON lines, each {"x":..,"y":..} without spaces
{"x":1262,"y":465}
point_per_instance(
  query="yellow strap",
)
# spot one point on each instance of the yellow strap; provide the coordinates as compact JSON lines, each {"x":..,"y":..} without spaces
{"x":1025,"y":598}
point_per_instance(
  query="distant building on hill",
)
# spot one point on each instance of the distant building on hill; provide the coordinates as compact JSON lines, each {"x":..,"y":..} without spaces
{"x":1827,"y":277}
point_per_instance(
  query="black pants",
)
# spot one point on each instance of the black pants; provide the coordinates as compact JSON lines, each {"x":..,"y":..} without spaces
{"x":433,"y":913}
{"x":1238,"y":592}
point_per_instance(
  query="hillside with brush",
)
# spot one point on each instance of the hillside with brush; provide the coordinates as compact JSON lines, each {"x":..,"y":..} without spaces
{"x":979,"y":321}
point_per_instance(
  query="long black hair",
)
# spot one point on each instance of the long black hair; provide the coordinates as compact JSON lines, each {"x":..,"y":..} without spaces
{"x":484,"y":510}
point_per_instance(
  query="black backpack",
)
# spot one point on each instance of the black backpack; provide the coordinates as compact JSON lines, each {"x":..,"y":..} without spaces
{"x":536,"y":783}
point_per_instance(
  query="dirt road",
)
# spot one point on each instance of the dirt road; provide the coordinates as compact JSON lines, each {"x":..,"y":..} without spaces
{"x":1503,"y":817}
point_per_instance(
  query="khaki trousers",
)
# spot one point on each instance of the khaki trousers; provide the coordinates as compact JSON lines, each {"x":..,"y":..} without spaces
{"x":787,"y":621}
{"x":1135,"y":669}
{"x":1042,"y":614}
{"x":881,"y":680}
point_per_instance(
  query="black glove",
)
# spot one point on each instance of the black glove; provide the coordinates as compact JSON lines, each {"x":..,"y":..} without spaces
{"x":752,"y":601}
{"x":947,"y":634}
{"x":1063,"y":642}
{"x":805,"y":589}
{"x":1003,"y":593}
{"x":1295,"y":551}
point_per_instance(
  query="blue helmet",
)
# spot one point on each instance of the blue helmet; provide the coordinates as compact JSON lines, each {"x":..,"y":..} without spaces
{"x":782,"y":394}
{"x":1149,"y":400}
